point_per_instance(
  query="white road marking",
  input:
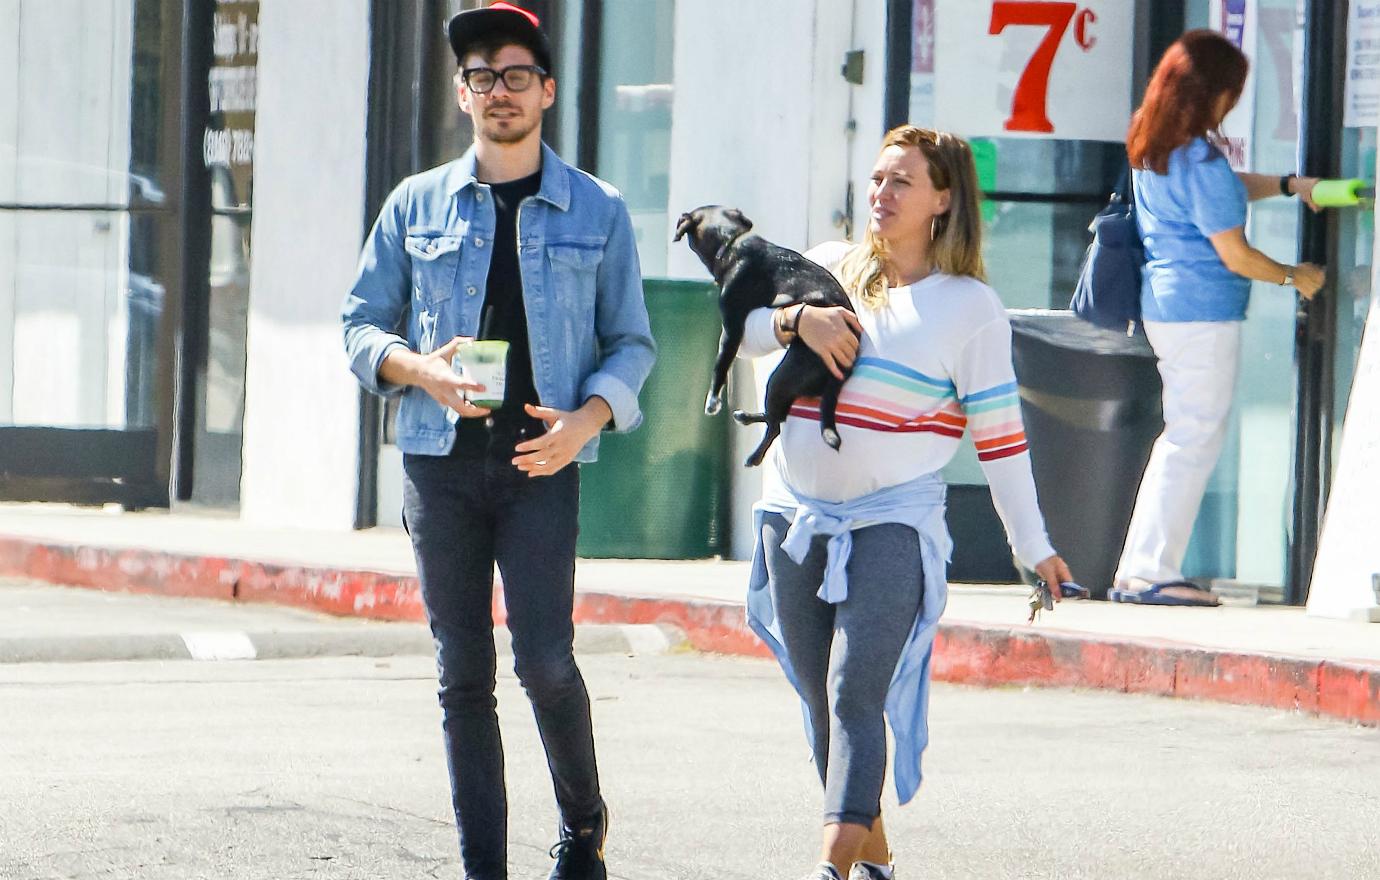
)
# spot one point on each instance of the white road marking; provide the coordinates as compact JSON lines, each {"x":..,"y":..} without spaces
{"x":645,"y":638}
{"x":219,"y":645}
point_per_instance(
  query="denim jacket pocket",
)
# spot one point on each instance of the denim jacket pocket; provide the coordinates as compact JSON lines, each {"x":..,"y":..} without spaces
{"x":573,"y":274}
{"x":435,"y":264}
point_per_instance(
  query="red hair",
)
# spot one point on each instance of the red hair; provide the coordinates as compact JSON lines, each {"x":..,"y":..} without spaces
{"x":1181,"y":101}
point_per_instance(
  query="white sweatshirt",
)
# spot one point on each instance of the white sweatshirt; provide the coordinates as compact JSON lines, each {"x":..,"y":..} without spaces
{"x":934,"y":361}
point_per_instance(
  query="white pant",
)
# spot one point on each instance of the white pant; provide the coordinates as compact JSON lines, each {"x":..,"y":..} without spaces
{"x":1198,"y":362}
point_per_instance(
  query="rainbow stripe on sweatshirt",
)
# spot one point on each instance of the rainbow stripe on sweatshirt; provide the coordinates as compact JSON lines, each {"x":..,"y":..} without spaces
{"x":882,"y":395}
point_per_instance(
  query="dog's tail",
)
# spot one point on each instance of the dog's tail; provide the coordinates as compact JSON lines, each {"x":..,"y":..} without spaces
{"x":828,"y":413}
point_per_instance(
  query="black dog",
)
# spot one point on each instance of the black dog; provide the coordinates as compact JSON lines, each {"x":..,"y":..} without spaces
{"x":752,"y":273}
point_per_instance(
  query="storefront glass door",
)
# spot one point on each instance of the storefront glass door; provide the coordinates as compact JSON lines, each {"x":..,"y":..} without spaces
{"x":88,"y":153}
{"x":1242,"y":528}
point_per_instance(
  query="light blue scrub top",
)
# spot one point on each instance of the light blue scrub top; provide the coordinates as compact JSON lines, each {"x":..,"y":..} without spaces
{"x":1200,"y":196}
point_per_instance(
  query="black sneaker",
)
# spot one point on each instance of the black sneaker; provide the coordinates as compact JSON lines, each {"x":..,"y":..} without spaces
{"x":579,"y":854}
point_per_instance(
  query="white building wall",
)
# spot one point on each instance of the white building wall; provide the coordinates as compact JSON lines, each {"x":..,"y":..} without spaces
{"x":869,"y":100}
{"x":761,"y":122}
{"x":301,"y":410}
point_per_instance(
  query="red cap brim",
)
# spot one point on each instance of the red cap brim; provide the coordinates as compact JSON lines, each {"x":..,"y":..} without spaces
{"x":502,"y":21}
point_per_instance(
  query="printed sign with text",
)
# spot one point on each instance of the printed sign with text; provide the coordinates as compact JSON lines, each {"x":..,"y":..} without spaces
{"x":1034,"y":68}
{"x":1362,"y":97}
{"x":1238,"y":21}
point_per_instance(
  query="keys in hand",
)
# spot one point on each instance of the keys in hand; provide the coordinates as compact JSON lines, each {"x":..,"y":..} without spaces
{"x":1042,"y":597}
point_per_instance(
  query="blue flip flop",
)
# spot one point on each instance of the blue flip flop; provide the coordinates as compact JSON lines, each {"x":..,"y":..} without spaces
{"x":1153,"y":595}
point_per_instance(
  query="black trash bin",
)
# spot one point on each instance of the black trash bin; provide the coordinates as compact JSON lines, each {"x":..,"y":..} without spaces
{"x":1091,"y":403}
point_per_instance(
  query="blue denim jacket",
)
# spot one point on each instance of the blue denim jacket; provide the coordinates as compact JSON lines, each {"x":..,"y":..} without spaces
{"x":423,"y":272}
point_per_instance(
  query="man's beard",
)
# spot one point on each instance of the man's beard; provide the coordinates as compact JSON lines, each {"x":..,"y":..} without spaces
{"x":512,"y":133}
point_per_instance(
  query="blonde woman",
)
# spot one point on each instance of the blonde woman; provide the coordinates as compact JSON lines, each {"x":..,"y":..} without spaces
{"x":848,"y":577}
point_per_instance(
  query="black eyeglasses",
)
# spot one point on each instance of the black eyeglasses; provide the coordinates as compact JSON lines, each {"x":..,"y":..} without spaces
{"x":516,"y":78}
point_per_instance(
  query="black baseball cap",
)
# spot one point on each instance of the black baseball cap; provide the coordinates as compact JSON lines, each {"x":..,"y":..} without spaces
{"x":499,"y":22}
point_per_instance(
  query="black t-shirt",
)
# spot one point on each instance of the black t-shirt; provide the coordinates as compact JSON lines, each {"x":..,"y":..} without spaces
{"x":503,"y":316}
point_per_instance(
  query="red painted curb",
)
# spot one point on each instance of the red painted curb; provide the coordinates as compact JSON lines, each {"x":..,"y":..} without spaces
{"x":1349,"y":691}
{"x":137,"y":570}
{"x":708,"y":626}
{"x":965,"y":653}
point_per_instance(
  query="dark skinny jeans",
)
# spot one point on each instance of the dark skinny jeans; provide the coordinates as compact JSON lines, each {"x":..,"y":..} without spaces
{"x":465,"y":514}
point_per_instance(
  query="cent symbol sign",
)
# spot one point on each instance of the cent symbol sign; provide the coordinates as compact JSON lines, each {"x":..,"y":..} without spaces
{"x":1034,"y":68}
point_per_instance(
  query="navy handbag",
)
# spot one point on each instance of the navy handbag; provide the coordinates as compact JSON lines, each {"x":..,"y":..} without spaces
{"x":1108,"y":291}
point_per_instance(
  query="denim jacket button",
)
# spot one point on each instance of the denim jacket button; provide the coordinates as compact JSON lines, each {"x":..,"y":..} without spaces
{"x":479,"y":197}
{"x":470,"y":291}
{"x":479,"y":242}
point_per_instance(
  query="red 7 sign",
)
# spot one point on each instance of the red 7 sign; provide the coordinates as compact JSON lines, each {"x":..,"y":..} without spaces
{"x":1032,"y":90}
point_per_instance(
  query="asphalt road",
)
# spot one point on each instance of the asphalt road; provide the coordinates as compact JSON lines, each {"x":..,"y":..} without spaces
{"x":332,"y":768}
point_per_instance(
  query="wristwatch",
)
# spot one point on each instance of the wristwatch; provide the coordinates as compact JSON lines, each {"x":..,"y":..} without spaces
{"x":1284,"y":184}
{"x":1288,"y":277}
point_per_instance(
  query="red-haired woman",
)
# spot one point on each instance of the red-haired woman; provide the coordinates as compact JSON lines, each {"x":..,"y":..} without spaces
{"x":1191,"y":209}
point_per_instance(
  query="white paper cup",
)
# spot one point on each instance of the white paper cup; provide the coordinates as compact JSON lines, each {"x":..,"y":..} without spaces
{"x":484,"y":362}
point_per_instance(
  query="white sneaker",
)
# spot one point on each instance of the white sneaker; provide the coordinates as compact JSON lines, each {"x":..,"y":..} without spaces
{"x":825,"y":871}
{"x":869,"y":871}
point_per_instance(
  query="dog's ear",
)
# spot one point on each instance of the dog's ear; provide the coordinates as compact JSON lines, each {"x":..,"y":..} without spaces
{"x":738,"y":217}
{"x":684,"y":225}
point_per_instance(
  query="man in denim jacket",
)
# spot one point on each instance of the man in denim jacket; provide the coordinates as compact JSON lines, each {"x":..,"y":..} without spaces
{"x":508,"y":242}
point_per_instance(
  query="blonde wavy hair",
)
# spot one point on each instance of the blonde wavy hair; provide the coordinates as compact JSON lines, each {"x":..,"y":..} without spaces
{"x":956,"y":247}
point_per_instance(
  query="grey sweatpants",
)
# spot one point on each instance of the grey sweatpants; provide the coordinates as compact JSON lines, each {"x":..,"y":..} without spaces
{"x":844,"y":655}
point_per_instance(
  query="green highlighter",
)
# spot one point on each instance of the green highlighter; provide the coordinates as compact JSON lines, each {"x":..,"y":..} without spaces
{"x":1342,"y":193}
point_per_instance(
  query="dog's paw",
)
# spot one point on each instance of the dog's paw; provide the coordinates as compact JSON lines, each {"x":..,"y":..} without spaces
{"x":712,"y":404}
{"x":831,"y":436}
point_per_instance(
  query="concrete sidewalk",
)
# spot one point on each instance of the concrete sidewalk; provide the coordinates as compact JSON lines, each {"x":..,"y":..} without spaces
{"x":1263,"y":655}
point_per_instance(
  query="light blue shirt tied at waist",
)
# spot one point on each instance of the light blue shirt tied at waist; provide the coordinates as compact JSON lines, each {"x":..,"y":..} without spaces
{"x":918,"y":504}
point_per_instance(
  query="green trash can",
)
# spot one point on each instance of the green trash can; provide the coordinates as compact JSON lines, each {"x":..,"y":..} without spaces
{"x":662,"y":491}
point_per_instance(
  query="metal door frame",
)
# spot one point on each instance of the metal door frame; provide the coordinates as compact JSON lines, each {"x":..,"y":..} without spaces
{"x":1315,"y":346}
